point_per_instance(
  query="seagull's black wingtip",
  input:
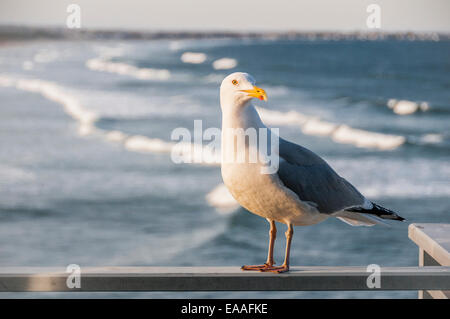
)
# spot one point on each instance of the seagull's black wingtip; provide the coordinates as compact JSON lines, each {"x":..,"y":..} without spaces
{"x":378,"y":211}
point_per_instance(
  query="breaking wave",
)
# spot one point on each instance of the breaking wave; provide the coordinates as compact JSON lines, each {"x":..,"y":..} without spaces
{"x":311,"y":125}
{"x":86,"y":119}
{"x":340,"y":133}
{"x":222,"y":200}
{"x":405,"y":107}
{"x":219,"y":197}
{"x":193,"y":57}
{"x":104,"y":65}
{"x":224,"y":64}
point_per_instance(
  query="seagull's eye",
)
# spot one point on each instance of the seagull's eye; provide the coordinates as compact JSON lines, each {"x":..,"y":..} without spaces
{"x":235,"y":82}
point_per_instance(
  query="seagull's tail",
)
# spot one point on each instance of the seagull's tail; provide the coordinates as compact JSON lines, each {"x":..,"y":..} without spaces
{"x":360,"y":216}
{"x":377,"y":211}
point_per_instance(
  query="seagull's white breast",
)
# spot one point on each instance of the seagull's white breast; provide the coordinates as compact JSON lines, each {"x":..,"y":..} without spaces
{"x":261,"y":194}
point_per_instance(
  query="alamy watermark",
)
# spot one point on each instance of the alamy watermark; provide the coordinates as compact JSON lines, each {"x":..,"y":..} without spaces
{"x":374,"y":279}
{"x":73,"y":20}
{"x":73,"y":281}
{"x":251,"y":145}
{"x":374,"y":19}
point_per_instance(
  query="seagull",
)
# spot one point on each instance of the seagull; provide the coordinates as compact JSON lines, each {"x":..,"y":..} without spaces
{"x":304,"y":190}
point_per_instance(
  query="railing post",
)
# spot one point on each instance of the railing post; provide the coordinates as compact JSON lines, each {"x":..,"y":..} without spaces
{"x":426,"y":260}
{"x":431,"y":241}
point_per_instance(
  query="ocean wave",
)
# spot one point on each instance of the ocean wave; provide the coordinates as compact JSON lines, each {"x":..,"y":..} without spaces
{"x":318,"y":127}
{"x":54,"y":93}
{"x":221,"y":199}
{"x":405,"y":107}
{"x":224,"y":64}
{"x":341,"y":133}
{"x":361,"y":138}
{"x":311,"y":125}
{"x":193,"y":57}
{"x":110,"y":52}
{"x":431,"y":139}
{"x":104,"y":65}
{"x":139,"y":143}
{"x":183,"y":151}
{"x":123,"y":106}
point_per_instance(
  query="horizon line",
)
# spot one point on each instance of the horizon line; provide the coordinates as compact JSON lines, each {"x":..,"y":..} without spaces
{"x":222,"y":30}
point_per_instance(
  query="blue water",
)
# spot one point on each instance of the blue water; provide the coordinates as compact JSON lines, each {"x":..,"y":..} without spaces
{"x":69,"y":198}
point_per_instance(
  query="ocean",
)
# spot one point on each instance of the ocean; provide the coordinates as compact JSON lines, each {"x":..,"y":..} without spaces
{"x":86,"y":175}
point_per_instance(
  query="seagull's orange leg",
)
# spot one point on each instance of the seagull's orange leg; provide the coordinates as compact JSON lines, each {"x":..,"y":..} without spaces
{"x":269,"y":263}
{"x":285,"y":266}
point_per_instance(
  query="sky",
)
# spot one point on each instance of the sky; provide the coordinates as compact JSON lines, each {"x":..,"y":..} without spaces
{"x":233,"y":15}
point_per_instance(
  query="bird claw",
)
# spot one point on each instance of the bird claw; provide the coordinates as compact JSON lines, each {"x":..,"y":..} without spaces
{"x":266,"y":268}
{"x":277,"y":270}
{"x":256,"y":267}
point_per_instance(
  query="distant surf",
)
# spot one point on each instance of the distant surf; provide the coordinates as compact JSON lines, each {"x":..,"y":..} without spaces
{"x":224,"y":64}
{"x":219,"y":197}
{"x":103,"y":65}
{"x":87,"y":119}
{"x":341,"y":133}
{"x":310,"y":125}
{"x":405,"y":107}
{"x":193,"y":57}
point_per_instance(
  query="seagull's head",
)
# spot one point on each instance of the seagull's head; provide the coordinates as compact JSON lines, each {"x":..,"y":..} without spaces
{"x":238,"y":88}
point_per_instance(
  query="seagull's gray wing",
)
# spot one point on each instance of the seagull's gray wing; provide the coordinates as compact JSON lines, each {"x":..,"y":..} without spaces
{"x":313,"y":180}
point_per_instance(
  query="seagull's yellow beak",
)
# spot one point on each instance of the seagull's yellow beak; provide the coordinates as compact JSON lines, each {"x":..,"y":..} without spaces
{"x":257,"y":92}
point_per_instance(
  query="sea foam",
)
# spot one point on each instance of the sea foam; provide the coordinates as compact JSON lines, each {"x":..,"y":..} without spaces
{"x":193,"y":57}
{"x":221,"y":199}
{"x":103,"y":65}
{"x":310,"y":125}
{"x":405,"y":107}
{"x":340,"y":133}
{"x":224,"y":64}
{"x":361,"y":138}
{"x":185,"y":152}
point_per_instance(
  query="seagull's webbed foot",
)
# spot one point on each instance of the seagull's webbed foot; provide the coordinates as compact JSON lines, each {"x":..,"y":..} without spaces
{"x":269,"y":261}
{"x":275,"y":269}
{"x":256,"y":267}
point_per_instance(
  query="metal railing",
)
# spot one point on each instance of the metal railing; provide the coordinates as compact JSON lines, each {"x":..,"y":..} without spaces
{"x":431,"y":277}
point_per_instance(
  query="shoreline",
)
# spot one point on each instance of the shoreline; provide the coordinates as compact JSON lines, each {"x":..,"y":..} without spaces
{"x":13,"y":33}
